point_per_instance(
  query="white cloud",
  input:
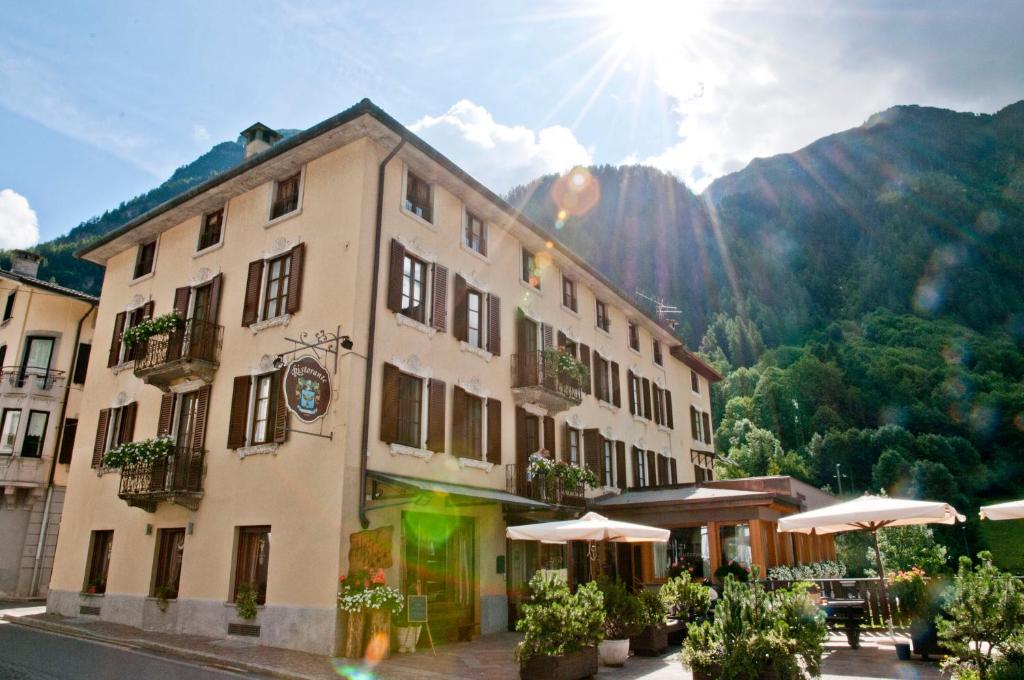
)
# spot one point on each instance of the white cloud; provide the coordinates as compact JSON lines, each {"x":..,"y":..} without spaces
{"x":200,"y":133}
{"x":19,"y":225}
{"x":500,"y":156}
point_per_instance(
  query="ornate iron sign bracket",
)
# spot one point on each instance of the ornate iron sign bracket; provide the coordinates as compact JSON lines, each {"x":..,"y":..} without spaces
{"x":320,"y":345}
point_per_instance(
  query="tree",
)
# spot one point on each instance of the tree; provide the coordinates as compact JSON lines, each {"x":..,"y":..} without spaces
{"x":891,"y":471}
{"x":909,"y":546}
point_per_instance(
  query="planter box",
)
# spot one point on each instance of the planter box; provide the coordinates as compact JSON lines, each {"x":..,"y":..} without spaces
{"x":653,"y":641}
{"x":575,"y":666}
{"x":715,"y":672}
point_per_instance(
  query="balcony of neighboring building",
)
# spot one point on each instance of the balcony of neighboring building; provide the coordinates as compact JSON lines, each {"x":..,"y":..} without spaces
{"x":546,"y":489}
{"x":542,"y":378}
{"x":30,"y":381}
{"x":175,"y":478}
{"x":190,"y":351}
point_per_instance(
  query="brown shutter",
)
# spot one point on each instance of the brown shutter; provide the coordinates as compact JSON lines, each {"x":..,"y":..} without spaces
{"x":674,"y":470}
{"x":389,"y":404}
{"x":215,"y":285}
{"x":547,"y":335}
{"x":522,"y":455}
{"x":435,"y":415}
{"x":549,"y":437}
{"x":493,"y":431}
{"x":395,"y":276}
{"x":634,"y":454}
{"x":295,"y":279}
{"x":663,"y":470}
{"x":181,"y":296}
{"x":565,"y":441}
{"x":147,"y":309}
{"x":439,"y":315}
{"x":202,"y":414}
{"x":647,"y":398}
{"x":561,"y":340}
{"x":163,"y":425}
{"x":652,"y":469}
{"x":280,"y":411}
{"x":128,"y":413}
{"x":706,"y":419}
{"x":694,"y":425}
{"x":101,"y":437}
{"x":67,"y":440}
{"x":668,"y":409}
{"x":239,"y":411}
{"x":585,"y":360}
{"x":460,"y":310}
{"x":494,"y":324}
{"x":592,"y":450}
{"x":620,"y":465}
{"x":630,"y":379}
{"x":251,"y":304}
{"x":115,"y":342}
{"x":616,"y":391}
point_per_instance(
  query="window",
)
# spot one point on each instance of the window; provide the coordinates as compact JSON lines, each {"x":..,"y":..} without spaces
{"x":67,"y":440}
{"x":35,"y":434}
{"x":569,"y":293}
{"x":275,"y":291}
{"x":211,"y":230}
{"x":100,"y":546}
{"x":410,"y":410}
{"x":131,"y":319}
{"x":116,"y":426}
{"x":694,"y":382}
{"x":414,"y":289}
{"x":572,"y":439}
{"x":657,"y":354}
{"x":439,"y":561}
{"x":475,"y":237}
{"x":36,"y":362}
{"x":530,"y":274}
{"x":81,"y":363}
{"x":474,"y":433}
{"x":640,"y":467}
{"x":634,"y":336}
{"x":608,"y":462}
{"x":260,"y":427}
{"x":532,"y":434}
{"x":635,"y":396}
{"x":659,"y":405}
{"x":251,"y":561}
{"x":144,"y":259}
{"x":735,"y":542}
{"x":286,"y":196}
{"x":9,"y":429}
{"x":602,"y":316}
{"x":419,"y":197}
{"x":474,"y":315}
{"x":170,"y":547}
{"x":9,"y":306}
{"x":601,"y":390}
{"x":706,"y":422}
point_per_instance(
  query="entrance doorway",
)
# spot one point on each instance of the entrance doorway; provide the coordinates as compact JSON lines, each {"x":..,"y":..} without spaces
{"x":439,"y":561}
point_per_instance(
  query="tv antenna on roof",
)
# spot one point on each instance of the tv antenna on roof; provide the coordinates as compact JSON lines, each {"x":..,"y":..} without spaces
{"x":662,"y":310}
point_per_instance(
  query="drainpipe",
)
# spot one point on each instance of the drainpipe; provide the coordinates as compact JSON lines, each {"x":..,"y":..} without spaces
{"x":371,"y":332}
{"x":37,"y":562}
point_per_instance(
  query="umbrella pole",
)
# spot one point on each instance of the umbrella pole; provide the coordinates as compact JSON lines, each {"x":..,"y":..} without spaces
{"x":886,"y":611}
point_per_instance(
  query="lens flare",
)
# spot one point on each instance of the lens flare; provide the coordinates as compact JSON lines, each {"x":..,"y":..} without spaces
{"x":353,"y":673}
{"x":575,"y":193}
{"x":377,"y":648}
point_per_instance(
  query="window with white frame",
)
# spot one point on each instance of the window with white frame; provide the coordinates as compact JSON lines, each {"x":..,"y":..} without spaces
{"x":475,"y":235}
{"x":572,"y":440}
{"x":260,"y":429}
{"x":118,"y":427}
{"x":639,"y":467}
{"x":694,"y":381}
{"x":569,"y":300}
{"x":145,"y":259}
{"x":131,"y":319}
{"x":211,"y":231}
{"x":608,"y":461}
{"x":9,"y":425}
{"x":409,"y":409}
{"x":419,"y":197}
{"x":634,"y":336}
{"x":658,"y":359}
{"x":474,"y":318}
{"x":530,"y":272}
{"x":414,"y":288}
{"x":275,"y":289}
{"x":286,"y":196}
{"x":603,"y":321}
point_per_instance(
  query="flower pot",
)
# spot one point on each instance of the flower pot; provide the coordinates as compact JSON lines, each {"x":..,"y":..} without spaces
{"x":613,"y":652}
{"x":353,"y":625}
{"x":408,"y":638}
{"x":903,"y":651}
{"x":574,"y":666}
{"x":652,"y":641}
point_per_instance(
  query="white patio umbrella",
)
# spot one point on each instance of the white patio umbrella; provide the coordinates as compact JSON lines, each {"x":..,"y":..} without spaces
{"x":590,"y":527}
{"x":1011,"y":510}
{"x":870,"y":513}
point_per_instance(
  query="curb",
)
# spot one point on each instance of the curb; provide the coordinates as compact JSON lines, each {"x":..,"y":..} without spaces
{"x":167,"y":650}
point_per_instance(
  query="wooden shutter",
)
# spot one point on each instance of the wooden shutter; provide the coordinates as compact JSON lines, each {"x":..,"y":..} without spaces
{"x":128,"y":413}
{"x":706,"y":419}
{"x":561,"y":340}
{"x":522,"y":455}
{"x":237,"y":425}
{"x":494,"y":324}
{"x":647,"y":398}
{"x":115,"y":342}
{"x":616,"y":391}
{"x":674,"y":470}
{"x":630,"y":379}
{"x":620,"y":465}
{"x":668,"y":409}
{"x":547,"y":335}
{"x":280,"y":410}
{"x":395,"y":276}
{"x":439,"y":314}
{"x":592,"y":450}
{"x":389,"y":404}
{"x":101,"y":437}
{"x":652,"y":468}
{"x":147,"y":309}
{"x":181,"y":298}
{"x":694,"y":425}
{"x":493,"y":431}
{"x":251,"y":303}
{"x":298,"y":258}
{"x":435,"y":415}
{"x":585,"y":360}
{"x":67,"y":440}
{"x":460,"y":310}
{"x":549,"y":437}
{"x":635,"y":454}
{"x":663,"y":478}
{"x":202,"y":414}
{"x":215,"y":285}
{"x":163,"y":425}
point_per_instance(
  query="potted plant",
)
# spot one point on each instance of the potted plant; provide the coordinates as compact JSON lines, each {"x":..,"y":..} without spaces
{"x":623,"y":618}
{"x":757,"y":635}
{"x":561,"y":630}
{"x":685,"y":600}
{"x":246,"y":602}
{"x":162,"y":595}
{"x":406,"y":632}
{"x":652,"y":639}
{"x":165,"y":323}
{"x":367,"y":604}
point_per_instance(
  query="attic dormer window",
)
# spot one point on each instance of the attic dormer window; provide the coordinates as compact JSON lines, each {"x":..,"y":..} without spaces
{"x":286,"y":196}
{"x":418,"y":197}
{"x":145,"y":259}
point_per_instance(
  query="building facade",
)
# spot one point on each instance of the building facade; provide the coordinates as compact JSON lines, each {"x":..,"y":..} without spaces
{"x":45,"y":340}
{"x":458,"y":340}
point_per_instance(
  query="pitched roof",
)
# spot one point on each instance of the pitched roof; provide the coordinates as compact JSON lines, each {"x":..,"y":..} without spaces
{"x":47,"y":285}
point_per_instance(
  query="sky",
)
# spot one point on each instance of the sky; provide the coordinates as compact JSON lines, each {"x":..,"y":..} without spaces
{"x":101,"y":101}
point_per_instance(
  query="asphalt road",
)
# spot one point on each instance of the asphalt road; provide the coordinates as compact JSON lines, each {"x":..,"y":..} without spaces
{"x":36,"y":655}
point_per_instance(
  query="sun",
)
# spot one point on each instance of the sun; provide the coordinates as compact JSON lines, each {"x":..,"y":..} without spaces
{"x":652,"y":28}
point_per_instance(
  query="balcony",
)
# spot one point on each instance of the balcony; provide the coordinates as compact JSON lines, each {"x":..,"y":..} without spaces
{"x":27,"y":380}
{"x":188,"y":352}
{"x":552,"y":490}
{"x":176,"y":478}
{"x":540,"y":378}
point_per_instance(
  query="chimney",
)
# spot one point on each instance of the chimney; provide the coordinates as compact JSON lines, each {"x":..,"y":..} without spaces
{"x":258,"y":137}
{"x":25,"y":263}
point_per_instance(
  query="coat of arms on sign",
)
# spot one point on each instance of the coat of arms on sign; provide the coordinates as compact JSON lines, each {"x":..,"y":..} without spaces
{"x":307,"y":389}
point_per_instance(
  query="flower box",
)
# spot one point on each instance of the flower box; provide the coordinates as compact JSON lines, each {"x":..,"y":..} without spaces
{"x":652,"y":641}
{"x":574,"y":666}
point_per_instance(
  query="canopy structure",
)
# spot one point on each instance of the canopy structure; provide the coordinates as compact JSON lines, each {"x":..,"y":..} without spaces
{"x":590,"y":527}
{"x":1011,"y":510}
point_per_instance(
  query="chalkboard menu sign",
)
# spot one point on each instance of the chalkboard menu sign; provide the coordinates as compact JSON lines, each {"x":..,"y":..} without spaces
{"x":417,"y":609}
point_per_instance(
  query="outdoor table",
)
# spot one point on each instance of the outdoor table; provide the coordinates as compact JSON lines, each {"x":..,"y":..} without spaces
{"x":847,"y":614}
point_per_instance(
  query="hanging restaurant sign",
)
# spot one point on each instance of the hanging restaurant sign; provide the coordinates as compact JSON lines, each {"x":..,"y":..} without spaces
{"x":307,"y":389}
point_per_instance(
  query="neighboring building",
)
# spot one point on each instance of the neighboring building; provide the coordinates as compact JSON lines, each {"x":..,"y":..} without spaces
{"x":45,"y":337}
{"x":455,"y":304}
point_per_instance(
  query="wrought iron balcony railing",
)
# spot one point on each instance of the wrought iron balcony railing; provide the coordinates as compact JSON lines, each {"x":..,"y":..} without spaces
{"x":191,"y":350}
{"x":542,"y":371}
{"x":27,"y":377}
{"x":177,"y":478}
{"x":552,"y":489}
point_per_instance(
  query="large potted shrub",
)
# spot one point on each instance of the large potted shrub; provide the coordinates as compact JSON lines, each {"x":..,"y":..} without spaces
{"x":737,"y":570}
{"x":913,"y":600}
{"x":757,"y":635}
{"x":685,"y":600}
{"x":561,"y":630}
{"x":652,"y":639}
{"x":623,"y":618}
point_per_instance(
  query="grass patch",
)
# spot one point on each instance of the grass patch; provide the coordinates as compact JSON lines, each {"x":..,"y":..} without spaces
{"x":1006,"y":541}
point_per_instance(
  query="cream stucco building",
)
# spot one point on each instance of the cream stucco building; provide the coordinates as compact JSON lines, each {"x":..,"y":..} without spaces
{"x":45,"y":338}
{"x":458,"y":315}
